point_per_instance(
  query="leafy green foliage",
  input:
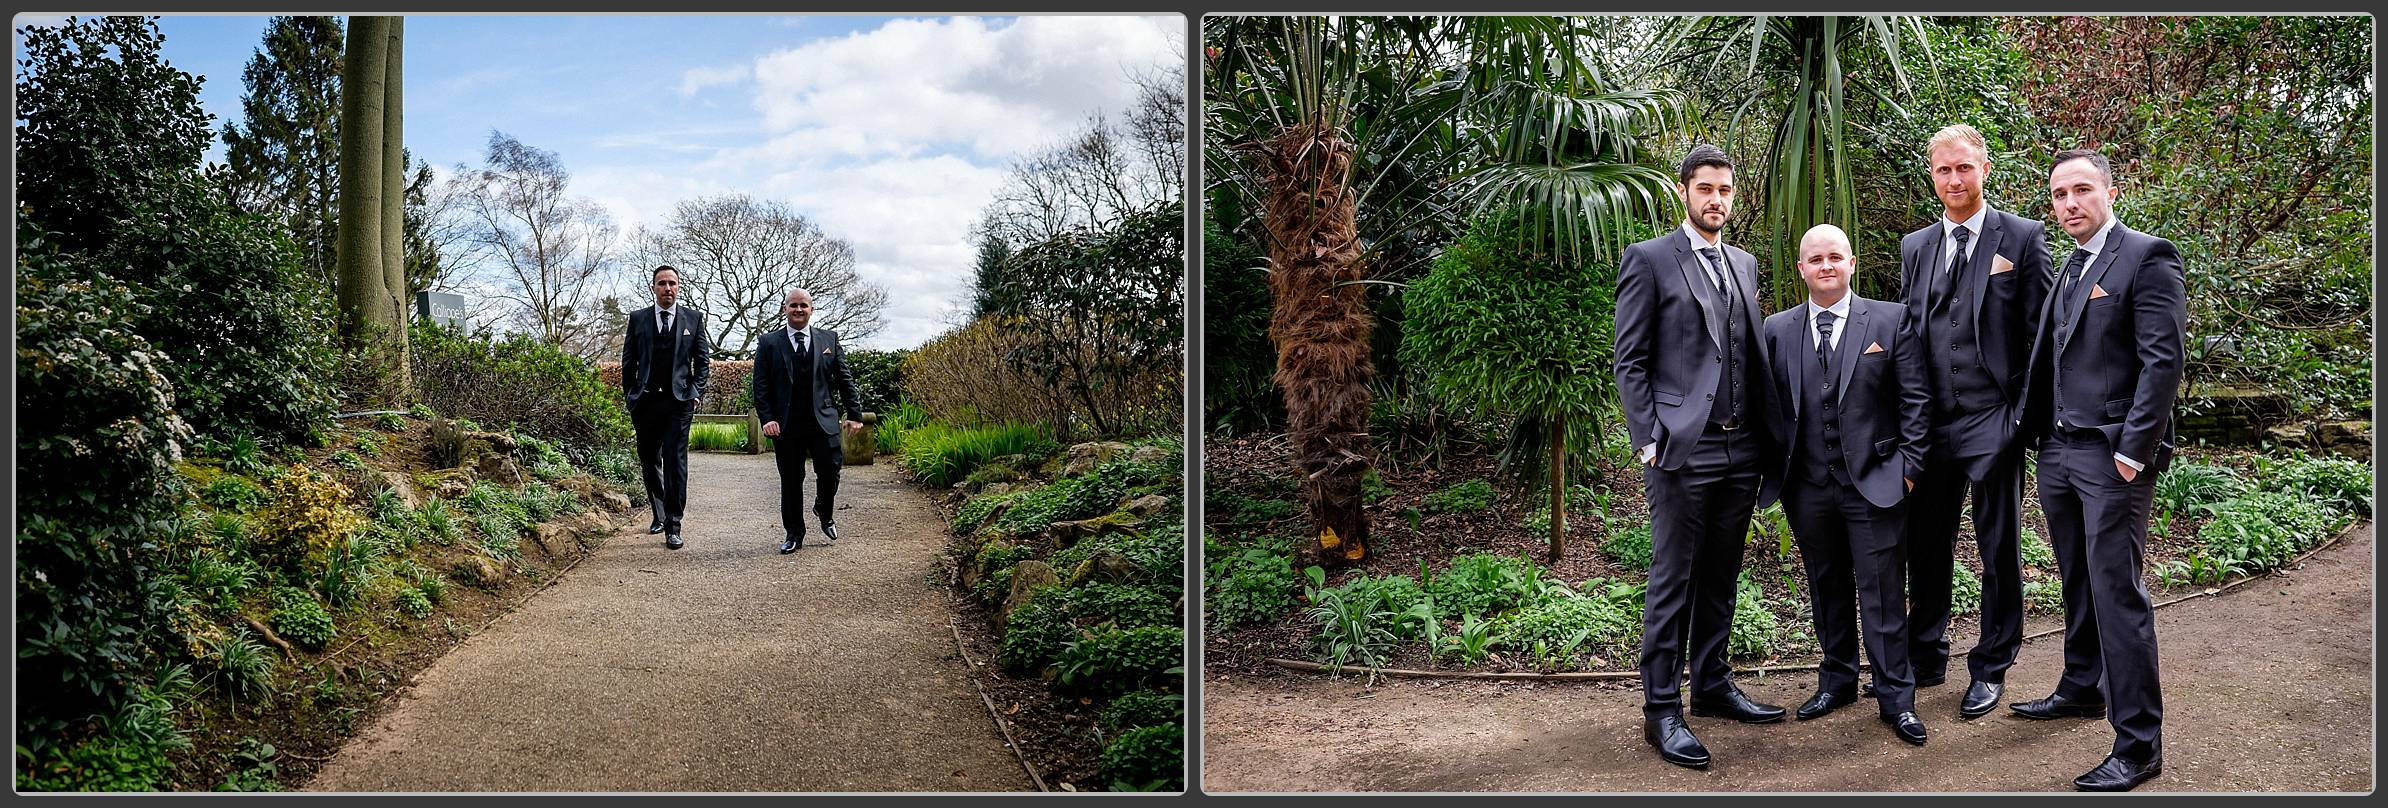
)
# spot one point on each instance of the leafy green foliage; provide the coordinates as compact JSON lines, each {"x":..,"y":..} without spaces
{"x":716,"y":437}
{"x":2262,"y":531}
{"x":893,"y":423}
{"x":1467,"y":497}
{"x":2339,"y":483}
{"x":1084,"y":496}
{"x":1257,"y":586}
{"x":301,"y":619}
{"x":1119,"y":661}
{"x":2036,"y":552}
{"x":1552,"y":631}
{"x":414,"y":603}
{"x":2044,"y":597}
{"x":1630,"y":548}
{"x":2188,"y":486}
{"x":1238,"y":359}
{"x":1240,"y":509}
{"x":1143,"y":708}
{"x":306,"y":515}
{"x":519,"y":382}
{"x":1098,"y":315}
{"x":1354,"y":622}
{"x":1965,"y":591}
{"x":130,"y":749}
{"x":975,"y":511}
{"x":233,"y":493}
{"x":942,"y":455}
{"x":1483,"y":584}
{"x":1755,"y":626}
{"x":878,"y":378}
{"x":238,"y":663}
{"x":439,"y":523}
{"x":500,"y":516}
{"x":1146,"y":759}
{"x":1036,"y":631}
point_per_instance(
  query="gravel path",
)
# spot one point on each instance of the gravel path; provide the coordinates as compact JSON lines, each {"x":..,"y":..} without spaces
{"x":2266,"y":688}
{"x":720,"y":667}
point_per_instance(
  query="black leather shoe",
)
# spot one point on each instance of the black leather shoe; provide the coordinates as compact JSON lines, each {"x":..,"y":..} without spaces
{"x":655,"y":527}
{"x":1823,"y":704}
{"x":1735,"y":705}
{"x":673,"y":541}
{"x":1980,"y":699}
{"x":2117,"y":774}
{"x":1908,"y":727}
{"x":787,"y":546}
{"x":1674,"y":741}
{"x":2056,"y":706}
{"x":829,"y":528}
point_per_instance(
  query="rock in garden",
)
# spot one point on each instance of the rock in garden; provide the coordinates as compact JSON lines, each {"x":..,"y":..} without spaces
{"x":374,"y":482}
{"x":1026,"y":577}
{"x":1149,"y":455}
{"x":1084,"y":457}
{"x":1148,"y":505}
{"x":478,"y":570}
{"x":500,"y":469}
{"x":1106,"y":566}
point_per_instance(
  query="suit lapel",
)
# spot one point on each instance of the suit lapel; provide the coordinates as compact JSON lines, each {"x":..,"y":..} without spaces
{"x":1798,"y":335}
{"x":1695,"y":276}
{"x":2077,"y":298}
{"x":1844,"y":355}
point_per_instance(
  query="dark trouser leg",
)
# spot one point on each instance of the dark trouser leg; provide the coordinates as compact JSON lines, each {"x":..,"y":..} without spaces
{"x":1816,"y":522}
{"x":675,"y":461}
{"x":1932,"y":511}
{"x":1997,"y":531}
{"x":789,"y":452}
{"x":828,"y":455}
{"x":2061,"y":500}
{"x":1878,"y":564}
{"x":649,"y":419}
{"x":1689,"y":601}
{"x":2114,"y":518}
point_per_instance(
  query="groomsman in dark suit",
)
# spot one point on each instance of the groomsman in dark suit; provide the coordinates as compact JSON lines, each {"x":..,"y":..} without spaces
{"x":1690,"y":373}
{"x":801,"y":386}
{"x":665,"y":364}
{"x":1848,"y":434}
{"x":2112,"y":353}
{"x":1973,"y":283}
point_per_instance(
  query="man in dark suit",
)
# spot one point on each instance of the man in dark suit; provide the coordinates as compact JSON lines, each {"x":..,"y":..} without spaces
{"x":1973,"y":283}
{"x":1848,"y":434}
{"x":1689,"y":372}
{"x":798,"y":370}
{"x":665,"y":364}
{"x":2112,"y":353}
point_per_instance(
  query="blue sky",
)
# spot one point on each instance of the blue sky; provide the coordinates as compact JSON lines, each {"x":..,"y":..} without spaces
{"x":891,"y":133}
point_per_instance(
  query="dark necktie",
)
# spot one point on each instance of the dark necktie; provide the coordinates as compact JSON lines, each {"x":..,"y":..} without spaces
{"x":2072,"y":273}
{"x":1824,"y":323}
{"x":1957,"y":256}
{"x":1716,"y":264}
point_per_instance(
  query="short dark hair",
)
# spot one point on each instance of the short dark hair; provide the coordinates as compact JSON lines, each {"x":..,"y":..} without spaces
{"x":661,"y":268}
{"x":2105,"y":169}
{"x":1702,"y":155}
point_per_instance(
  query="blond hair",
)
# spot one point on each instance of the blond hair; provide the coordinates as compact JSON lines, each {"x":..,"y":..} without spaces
{"x":1957,"y":133}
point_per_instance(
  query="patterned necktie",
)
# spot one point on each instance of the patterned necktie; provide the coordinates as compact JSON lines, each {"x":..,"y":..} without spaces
{"x":1716,"y":264}
{"x":1957,"y":256}
{"x":2073,"y":268}
{"x":1824,"y":323}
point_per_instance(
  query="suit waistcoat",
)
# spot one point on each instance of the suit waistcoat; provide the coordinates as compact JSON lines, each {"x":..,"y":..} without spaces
{"x":1960,"y":378}
{"x":1820,"y":435}
{"x":660,"y":354}
{"x":1740,"y":376}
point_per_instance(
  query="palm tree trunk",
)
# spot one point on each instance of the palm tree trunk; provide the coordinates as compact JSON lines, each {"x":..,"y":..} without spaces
{"x":1321,"y":325}
{"x":1558,"y":487}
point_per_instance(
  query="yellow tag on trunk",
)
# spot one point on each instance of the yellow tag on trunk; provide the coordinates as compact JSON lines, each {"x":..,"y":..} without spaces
{"x":1329,"y":540}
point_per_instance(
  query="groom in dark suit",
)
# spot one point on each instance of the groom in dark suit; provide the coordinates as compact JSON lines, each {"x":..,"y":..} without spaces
{"x":1848,"y":433}
{"x":665,"y":364}
{"x":1690,"y":376}
{"x":2112,"y":350}
{"x":801,"y":386}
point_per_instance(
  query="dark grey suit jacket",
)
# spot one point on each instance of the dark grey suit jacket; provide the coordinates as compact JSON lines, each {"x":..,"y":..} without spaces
{"x":2006,"y":310}
{"x":2119,"y":365}
{"x":774,"y":382}
{"x":1669,"y":343}
{"x":692,"y":363}
{"x":1881,"y":396}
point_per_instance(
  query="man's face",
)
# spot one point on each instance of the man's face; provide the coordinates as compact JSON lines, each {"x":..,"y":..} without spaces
{"x":2081,"y":198}
{"x":1708,"y":198}
{"x":1957,"y":173}
{"x":667,"y":288}
{"x":799,"y":308}
{"x":1825,"y":263}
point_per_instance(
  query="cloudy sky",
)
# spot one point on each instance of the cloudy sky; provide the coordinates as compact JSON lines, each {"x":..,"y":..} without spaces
{"x":891,"y":133}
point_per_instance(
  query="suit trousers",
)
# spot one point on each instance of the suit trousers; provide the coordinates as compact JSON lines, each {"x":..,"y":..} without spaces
{"x":794,"y":446}
{"x":662,"y":423}
{"x":2098,"y":526}
{"x":1932,"y":515}
{"x":1856,"y":569}
{"x":1699,"y":518}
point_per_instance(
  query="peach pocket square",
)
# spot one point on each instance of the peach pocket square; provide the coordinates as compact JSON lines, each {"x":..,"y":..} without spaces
{"x":2097,"y":291}
{"x":1999,"y":264}
{"x":1874,"y":348}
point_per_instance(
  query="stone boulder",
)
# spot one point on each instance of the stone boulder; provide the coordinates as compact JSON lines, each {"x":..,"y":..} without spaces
{"x":477,"y":570}
{"x":372,"y":482}
{"x":500,"y":469}
{"x":1026,"y":577}
{"x":1084,"y":457}
{"x":1065,"y":534}
{"x":612,"y":501}
{"x":1106,"y":566}
{"x":1147,"y":505}
{"x":1149,"y":455}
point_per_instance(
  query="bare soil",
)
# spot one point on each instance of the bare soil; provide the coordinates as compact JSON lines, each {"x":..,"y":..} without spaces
{"x":2268,"y":687}
{"x":723,"y":666}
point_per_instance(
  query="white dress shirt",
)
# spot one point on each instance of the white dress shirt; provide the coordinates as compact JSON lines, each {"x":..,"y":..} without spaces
{"x":1973,"y":235}
{"x":1840,"y":322}
{"x":660,"y":311}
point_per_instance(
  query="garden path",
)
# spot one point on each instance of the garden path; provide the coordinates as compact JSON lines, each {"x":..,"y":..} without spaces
{"x":2267,"y":687}
{"x":723,"y":666}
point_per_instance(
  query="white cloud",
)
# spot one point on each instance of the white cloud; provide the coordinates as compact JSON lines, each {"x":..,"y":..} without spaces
{"x":699,"y":78}
{"x":39,"y":20}
{"x":909,"y":222}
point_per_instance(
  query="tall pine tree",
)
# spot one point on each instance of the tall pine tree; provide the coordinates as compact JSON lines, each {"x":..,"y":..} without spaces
{"x":285,"y":156}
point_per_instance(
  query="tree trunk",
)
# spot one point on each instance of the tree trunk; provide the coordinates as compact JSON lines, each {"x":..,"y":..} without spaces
{"x":1558,"y":487}
{"x":393,"y":211}
{"x":362,"y":290}
{"x":1321,"y":325}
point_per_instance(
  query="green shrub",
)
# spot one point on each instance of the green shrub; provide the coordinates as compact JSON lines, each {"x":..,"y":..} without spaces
{"x":306,"y":515}
{"x":414,"y":603}
{"x":1257,"y":587}
{"x":1754,"y":626}
{"x":1373,"y":488}
{"x":218,"y":582}
{"x":2264,"y":530}
{"x":301,"y":619}
{"x":2036,"y":553}
{"x":2044,"y":597}
{"x":1127,"y":607}
{"x":1353,"y":623}
{"x":974,"y":512}
{"x":1001,"y":555}
{"x":1143,"y":708}
{"x":716,"y":438}
{"x":1119,"y":661}
{"x":439,"y":523}
{"x":1551,"y":632}
{"x":2188,"y":486}
{"x":519,"y":382}
{"x":1085,"y":496}
{"x":2340,"y":483}
{"x":1146,"y":759}
{"x":389,"y":422}
{"x":1036,"y":631}
{"x":1631,"y":548}
{"x":130,"y":750}
{"x":1481,"y":584}
{"x":942,"y":455}
{"x":1965,"y":591}
{"x":233,"y":493}
{"x":1468,"y":497}
{"x":1397,"y":595}
{"x":878,"y":377}
{"x":619,"y":466}
{"x":238,"y":663}
{"x":501,"y":517}
{"x":893,"y":423}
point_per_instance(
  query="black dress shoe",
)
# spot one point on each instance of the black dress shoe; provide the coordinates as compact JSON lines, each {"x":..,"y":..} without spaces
{"x":673,"y":541}
{"x":1674,"y":741}
{"x":829,"y":528}
{"x":656,"y":527}
{"x":2117,"y":774}
{"x":2057,"y":706}
{"x":1735,"y":705}
{"x":1980,"y":699}
{"x":787,"y":546}
{"x":1823,"y":703}
{"x":1908,"y":727}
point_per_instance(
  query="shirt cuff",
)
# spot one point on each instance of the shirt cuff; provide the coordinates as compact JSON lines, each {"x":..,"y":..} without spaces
{"x":2134,"y":464}
{"x":1649,"y":451}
